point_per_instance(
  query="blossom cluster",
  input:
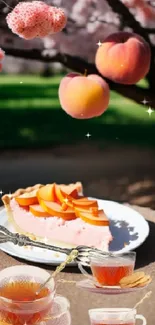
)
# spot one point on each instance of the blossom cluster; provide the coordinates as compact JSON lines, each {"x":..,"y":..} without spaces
{"x":89,"y":21}
{"x":36,"y":19}
{"x":93,"y":21}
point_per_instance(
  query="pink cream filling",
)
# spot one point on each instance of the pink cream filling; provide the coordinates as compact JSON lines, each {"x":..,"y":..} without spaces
{"x":75,"y":232}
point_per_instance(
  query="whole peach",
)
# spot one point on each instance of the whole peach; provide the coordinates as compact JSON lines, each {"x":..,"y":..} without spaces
{"x":123,"y":58}
{"x":83,"y":97}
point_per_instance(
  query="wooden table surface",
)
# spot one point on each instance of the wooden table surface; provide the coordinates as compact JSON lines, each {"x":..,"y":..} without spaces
{"x":82,"y":300}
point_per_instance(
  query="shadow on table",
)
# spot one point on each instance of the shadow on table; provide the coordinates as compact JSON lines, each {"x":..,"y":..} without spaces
{"x":146,"y":253}
{"x":122,"y":234}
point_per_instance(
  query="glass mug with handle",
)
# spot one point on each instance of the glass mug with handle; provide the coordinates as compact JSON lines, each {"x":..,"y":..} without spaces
{"x":109,"y":270}
{"x":19,"y":303}
{"x":115,"y":316}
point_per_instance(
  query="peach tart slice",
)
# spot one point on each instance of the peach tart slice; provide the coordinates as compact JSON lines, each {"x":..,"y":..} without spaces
{"x":58,"y":213}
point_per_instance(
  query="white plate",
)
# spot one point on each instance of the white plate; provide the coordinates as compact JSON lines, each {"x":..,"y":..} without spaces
{"x":128,"y":227}
{"x":89,"y":286}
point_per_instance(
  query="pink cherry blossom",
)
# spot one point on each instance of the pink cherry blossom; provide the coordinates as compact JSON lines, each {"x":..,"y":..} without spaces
{"x":86,"y":27}
{"x":59,"y":19}
{"x":36,"y":19}
{"x":145,"y":13}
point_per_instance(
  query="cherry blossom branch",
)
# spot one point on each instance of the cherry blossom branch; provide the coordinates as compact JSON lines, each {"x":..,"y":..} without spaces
{"x":118,"y":7}
{"x":127,"y":17}
{"x":77,"y":64}
{"x":150,"y":30}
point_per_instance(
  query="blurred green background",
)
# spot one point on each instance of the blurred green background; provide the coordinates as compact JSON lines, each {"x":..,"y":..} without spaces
{"x":31,"y":116}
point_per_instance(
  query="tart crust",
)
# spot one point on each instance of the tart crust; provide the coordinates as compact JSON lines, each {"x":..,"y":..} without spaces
{"x":7,"y":197}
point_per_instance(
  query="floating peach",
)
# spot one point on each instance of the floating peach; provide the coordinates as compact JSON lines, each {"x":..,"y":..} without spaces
{"x":90,"y":217}
{"x":38,"y":211}
{"x":83,"y":97}
{"x":55,"y":210}
{"x":123,"y":58}
{"x":27,"y":199}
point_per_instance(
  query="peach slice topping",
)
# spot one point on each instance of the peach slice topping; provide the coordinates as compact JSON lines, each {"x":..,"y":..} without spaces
{"x":85,"y":203}
{"x":27,"y":199}
{"x":98,"y":220}
{"x":46,"y":193}
{"x":38,"y":211}
{"x":62,"y":201}
{"x":95,"y":211}
{"x":70,"y":189}
{"x":65,"y":194}
{"x":64,"y":206}
{"x":55,"y":210}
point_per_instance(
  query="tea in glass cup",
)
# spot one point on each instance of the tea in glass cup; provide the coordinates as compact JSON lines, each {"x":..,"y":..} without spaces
{"x":109,"y":270}
{"x":19,"y":302}
{"x":115,"y":316}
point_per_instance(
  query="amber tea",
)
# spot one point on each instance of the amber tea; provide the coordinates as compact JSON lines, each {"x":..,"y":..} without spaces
{"x":109,"y":271}
{"x":19,"y":302}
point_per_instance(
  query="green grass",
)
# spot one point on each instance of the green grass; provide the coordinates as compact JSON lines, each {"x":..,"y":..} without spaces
{"x":31,"y":116}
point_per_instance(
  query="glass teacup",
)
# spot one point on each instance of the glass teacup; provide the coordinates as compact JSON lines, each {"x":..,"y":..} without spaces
{"x":114,"y":316}
{"x":19,"y":304}
{"x":109,"y":270}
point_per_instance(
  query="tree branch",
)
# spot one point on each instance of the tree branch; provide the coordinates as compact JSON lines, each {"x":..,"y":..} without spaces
{"x":150,"y":30}
{"x":119,"y":8}
{"x":129,"y":20}
{"x":77,"y":64}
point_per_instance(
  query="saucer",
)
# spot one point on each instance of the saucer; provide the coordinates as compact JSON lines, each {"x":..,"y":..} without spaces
{"x":111,"y":290}
{"x":59,"y":314}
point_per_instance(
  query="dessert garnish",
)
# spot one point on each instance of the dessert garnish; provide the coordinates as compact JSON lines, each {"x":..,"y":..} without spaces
{"x":137,"y":279}
{"x":62,"y":201}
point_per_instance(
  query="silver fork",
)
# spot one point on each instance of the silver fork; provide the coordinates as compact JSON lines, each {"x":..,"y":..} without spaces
{"x":84,"y":252}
